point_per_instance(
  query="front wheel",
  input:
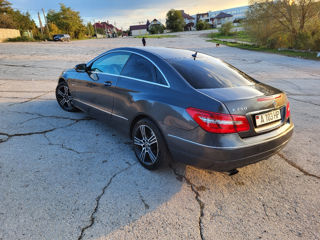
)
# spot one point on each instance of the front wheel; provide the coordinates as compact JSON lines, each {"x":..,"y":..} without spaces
{"x":149,"y":145}
{"x":64,"y":97}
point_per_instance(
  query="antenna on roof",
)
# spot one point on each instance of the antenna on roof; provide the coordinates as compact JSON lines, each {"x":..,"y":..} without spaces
{"x":194,"y":55}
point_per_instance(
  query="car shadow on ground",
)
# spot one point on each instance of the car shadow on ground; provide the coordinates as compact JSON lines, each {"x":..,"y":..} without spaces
{"x":75,"y":177}
{"x":67,"y":168}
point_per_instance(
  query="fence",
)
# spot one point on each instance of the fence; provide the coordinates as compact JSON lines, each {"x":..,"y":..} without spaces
{"x":6,"y":33}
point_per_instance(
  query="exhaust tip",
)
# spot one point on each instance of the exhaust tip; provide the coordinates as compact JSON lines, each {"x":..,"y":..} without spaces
{"x":233,"y":172}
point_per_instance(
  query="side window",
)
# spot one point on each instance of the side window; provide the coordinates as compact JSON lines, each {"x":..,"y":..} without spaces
{"x":111,"y":63}
{"x":140,"y":68}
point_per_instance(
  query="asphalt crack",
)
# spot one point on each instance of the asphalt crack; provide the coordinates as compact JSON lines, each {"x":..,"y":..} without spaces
{"x":26,"y":66}
{"x":49,"y":116}
{"x":98,"y":198}
{"x":30,"y":99}
{"x":297,"y":167}
{"x":146,"y":206}
{"x":36,"y":132}
{"x":63,"y":146}
{"x":299,"y":100}
{"x":195,"y":190}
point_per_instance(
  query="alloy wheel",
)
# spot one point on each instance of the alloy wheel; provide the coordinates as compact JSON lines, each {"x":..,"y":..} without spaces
{"x":63,"y":97}
{"x":146,"y":145}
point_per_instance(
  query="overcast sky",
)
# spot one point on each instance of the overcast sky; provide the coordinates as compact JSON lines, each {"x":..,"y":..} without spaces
{"x":126,"y":12}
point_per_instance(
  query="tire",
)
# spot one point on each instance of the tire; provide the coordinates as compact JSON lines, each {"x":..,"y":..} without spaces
{"x":149,"y":145}
{"x":64,"y":97}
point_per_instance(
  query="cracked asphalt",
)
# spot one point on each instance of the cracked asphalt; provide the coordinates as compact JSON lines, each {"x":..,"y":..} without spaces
{"x":67,"y":176}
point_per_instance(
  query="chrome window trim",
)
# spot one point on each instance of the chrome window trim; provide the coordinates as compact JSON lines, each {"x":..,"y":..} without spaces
{"x":100,"y":108}
{"x":141,"y":80}
{"x":136,"y":79}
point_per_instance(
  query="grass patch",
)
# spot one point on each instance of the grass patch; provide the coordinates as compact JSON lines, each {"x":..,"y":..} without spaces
{"x":21,"y":39}
{"x":306,"y":55}
{"x":156,"y":36}
{"x":238,"y":36}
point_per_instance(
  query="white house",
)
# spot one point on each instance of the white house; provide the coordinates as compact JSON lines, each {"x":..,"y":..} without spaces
{"x":137,"y":30}
{"x":237,"y":13}
{"x":189,"y":21}
{"x":153,"y":23}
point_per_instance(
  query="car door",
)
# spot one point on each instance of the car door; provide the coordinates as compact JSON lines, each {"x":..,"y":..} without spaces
{"x":104,"y":74}
{"x":139,"y":79}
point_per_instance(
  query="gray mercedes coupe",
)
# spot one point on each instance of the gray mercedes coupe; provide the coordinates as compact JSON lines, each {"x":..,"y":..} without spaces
{"x":181,"y":104}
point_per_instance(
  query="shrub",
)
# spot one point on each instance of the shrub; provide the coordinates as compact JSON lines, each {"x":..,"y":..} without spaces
{"x":157,"y":28}
{"x":225,"y":29}
{"x":20,"y":39}
{"x":201,"y":25}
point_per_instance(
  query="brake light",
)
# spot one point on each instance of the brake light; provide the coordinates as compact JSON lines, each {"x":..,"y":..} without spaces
{"x":219,"y":122}
{"x":269,"y":98}
{"x":288,"y":110}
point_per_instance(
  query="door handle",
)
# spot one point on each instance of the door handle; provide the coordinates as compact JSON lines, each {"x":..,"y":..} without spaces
{"x":108,"y":83}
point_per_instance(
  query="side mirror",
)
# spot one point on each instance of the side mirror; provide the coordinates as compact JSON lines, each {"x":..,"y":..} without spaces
{"x":81,"y":67}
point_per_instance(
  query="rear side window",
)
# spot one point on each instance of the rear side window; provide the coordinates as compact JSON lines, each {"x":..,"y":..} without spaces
{"x":111,"y":63}
{"x":140,"y":68}
{"x":208,"y":72}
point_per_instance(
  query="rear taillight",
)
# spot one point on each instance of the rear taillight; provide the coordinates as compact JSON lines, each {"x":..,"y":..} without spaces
{"x":219,"y":122}
{"x":288,"y":110}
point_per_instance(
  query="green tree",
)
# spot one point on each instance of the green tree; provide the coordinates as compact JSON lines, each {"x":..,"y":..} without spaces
{"x":5,"y":6}
{"x":156,"y":28}
{"x":10,"y":18}
{"x":53,"y":29}
{"x":175,"y":21}
{"x":101,"y":31}
{"x":225,"y":29}
{"x":68,"y":21}
{"x":6,"y":20}
{"x":23,"y":21}
{"x":202,"y":25}
{"x":90,"y":29}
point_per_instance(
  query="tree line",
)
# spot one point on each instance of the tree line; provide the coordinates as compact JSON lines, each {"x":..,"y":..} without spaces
{"x":285,"y":23}
{"x":64,"y":21}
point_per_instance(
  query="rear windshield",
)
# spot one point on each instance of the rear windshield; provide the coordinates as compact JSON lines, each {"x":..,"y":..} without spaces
{"x":208,"y":72}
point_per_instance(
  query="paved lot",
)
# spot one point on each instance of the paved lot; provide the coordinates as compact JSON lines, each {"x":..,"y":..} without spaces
{"x":65,"y":176}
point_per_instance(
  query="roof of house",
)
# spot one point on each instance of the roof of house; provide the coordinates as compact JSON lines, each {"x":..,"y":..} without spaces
{"x":222,"y":15}
{"x":103,"y":25}
{"x":202,"y":14}
{"x":185,"y":15}
{"x":138,"y":27}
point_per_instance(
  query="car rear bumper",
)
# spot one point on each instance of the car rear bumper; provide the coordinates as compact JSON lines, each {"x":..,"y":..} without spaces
{"x":238,"y":154}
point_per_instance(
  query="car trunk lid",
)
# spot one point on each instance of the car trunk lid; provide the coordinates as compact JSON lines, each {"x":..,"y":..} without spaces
{"x":252,"y":101}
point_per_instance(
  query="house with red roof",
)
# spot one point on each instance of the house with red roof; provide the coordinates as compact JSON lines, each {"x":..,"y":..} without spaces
{"x":109,"y":29}
{"x":189,"y":21}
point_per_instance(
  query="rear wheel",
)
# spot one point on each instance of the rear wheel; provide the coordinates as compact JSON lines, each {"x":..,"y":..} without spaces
{"x":64,"y":97}
{"x":149,"y":145}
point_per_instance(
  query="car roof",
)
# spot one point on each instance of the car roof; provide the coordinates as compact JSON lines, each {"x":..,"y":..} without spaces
{"x":163,"y":52}
{"x":169,"y":53}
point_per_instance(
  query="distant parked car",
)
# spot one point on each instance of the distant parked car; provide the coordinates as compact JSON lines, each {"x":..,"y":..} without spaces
{"x":61,"y":37}
{"x":192,"y":106}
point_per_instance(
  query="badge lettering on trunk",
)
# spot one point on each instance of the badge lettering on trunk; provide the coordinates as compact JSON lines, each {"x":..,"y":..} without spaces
{"x":239,"y":109}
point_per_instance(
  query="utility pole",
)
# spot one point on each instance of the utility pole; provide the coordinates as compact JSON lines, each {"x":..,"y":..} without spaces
{"x":40,"y":23}
{"x":46,"y":20}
